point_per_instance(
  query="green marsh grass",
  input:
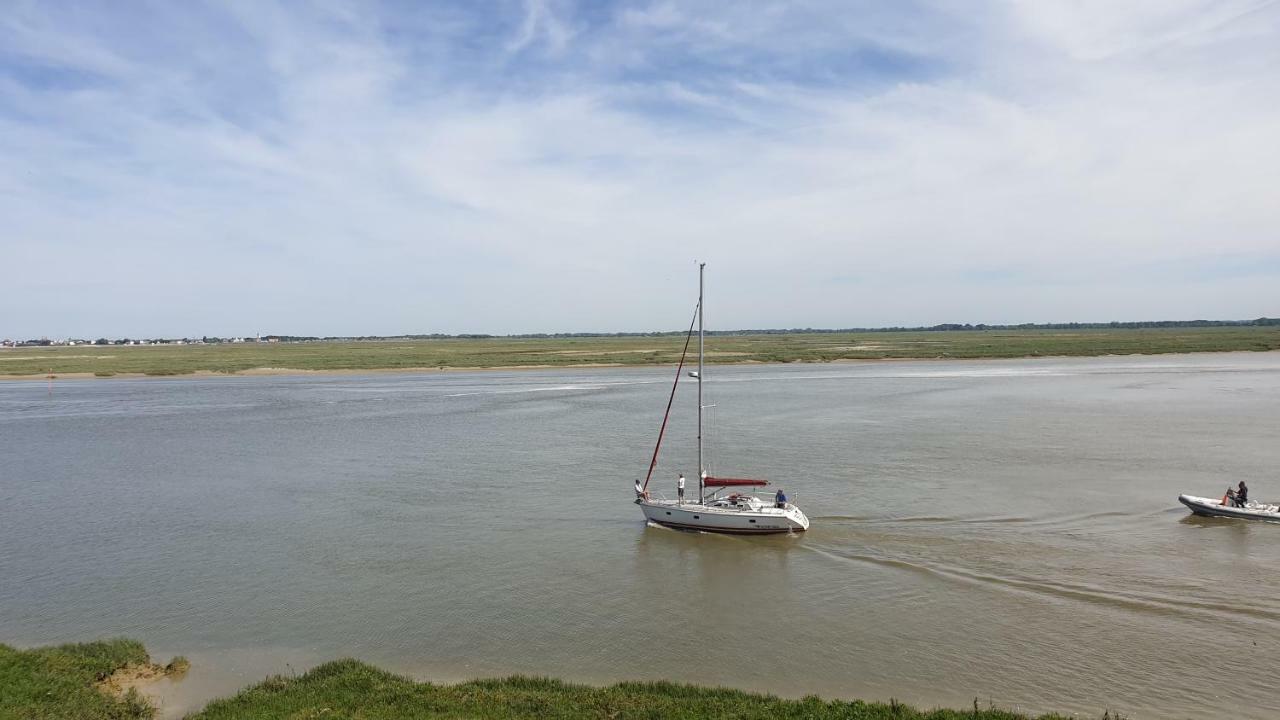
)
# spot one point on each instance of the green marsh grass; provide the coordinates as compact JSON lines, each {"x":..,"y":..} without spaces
{"x":229,"y":358}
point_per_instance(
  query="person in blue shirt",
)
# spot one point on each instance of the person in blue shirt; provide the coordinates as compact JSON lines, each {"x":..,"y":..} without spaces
{"x":780,"y":500}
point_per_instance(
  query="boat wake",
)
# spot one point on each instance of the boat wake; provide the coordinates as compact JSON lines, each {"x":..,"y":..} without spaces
{"x":1145,"y":603}
{"x":1066,"y":521}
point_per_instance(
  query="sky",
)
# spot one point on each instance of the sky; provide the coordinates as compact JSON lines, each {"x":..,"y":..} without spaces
{"x":330,"y":168}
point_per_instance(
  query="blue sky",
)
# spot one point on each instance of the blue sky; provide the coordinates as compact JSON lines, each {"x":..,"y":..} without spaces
{"x":342,"y":168}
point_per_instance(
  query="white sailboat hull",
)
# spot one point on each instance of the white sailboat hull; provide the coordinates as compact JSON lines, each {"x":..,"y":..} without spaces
{"x":746,"y":521}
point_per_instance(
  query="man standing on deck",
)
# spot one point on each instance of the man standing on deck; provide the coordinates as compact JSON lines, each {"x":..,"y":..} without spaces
{"x":680,"y":488}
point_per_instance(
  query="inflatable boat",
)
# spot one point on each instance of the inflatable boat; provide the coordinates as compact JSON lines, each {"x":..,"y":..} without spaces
{"x":1214,"y":507}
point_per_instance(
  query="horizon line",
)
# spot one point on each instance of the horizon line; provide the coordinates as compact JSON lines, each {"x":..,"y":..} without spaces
{"x":1262,"y":321}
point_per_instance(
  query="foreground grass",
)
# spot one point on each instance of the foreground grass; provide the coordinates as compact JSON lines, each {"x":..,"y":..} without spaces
{"x":106,"y":361}
{"x":53,"y":683}
{"x":351,"y":689}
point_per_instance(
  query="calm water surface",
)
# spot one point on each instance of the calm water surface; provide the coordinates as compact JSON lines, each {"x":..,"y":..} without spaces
{"x":1001,"y":529}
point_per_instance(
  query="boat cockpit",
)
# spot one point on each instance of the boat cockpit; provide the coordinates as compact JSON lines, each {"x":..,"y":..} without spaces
{"x":738,"y":501}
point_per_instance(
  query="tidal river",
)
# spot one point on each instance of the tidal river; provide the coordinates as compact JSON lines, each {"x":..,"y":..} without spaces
{"x":1005,"y":530}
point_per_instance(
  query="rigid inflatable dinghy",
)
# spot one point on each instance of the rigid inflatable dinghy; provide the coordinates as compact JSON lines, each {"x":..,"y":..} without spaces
{"x":1214,"y":507}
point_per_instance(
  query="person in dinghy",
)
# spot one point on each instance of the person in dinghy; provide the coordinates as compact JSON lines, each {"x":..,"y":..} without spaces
{"x":1236,"y":497}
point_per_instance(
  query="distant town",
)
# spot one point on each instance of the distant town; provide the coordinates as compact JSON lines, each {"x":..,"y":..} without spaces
{"x":208,"y":340}
{"x":71,"y":342}
{"x":944,"y":327}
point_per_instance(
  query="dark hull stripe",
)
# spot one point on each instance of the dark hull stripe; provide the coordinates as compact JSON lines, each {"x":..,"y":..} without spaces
{"x":728,"y":531}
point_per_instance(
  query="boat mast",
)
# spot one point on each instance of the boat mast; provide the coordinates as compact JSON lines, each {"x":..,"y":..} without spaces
{"x":701,"y":474}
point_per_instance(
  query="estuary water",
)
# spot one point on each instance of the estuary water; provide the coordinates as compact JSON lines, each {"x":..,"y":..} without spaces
{"x":1005,"y":530}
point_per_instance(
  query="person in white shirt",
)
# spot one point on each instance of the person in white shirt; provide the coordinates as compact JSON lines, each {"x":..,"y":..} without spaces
{"x":680,"y":488}
{"x":640,"y":491}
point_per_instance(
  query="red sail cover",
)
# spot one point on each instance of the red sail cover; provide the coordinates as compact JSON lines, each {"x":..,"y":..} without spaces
{"x":731,"y":482}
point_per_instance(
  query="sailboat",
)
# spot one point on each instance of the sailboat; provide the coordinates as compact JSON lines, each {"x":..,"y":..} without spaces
{"x":720,"y":506}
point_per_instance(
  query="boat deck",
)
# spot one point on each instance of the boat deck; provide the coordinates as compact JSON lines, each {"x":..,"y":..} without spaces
{"x":719,"y":509}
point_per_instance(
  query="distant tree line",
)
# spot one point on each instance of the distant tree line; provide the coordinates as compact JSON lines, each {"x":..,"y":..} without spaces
{"x":952,"y":327}
{"x":944,"y":327}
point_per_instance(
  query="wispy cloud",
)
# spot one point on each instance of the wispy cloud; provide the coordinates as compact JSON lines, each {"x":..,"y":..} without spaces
{"x":541,"y":22}
{"x":552,"y":166}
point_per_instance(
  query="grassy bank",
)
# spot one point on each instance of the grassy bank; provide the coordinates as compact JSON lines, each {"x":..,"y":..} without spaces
{"x":61,"y":682}
{"x":106,"y":361}
{"x":53,"y":683}
{"x":352,"y":689}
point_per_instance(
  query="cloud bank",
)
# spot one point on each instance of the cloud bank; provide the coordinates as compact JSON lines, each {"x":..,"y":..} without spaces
{"x":179,"y":169}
